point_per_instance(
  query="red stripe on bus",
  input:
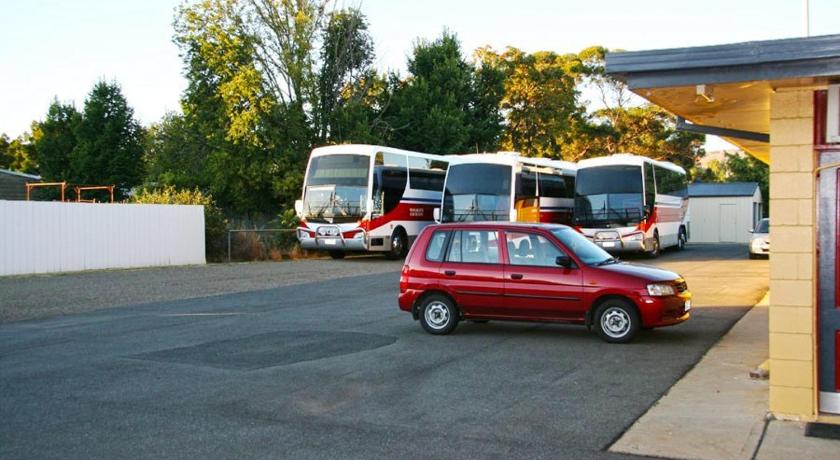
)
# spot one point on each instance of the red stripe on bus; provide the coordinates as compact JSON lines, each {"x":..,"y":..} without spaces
{"x":837,"y":361}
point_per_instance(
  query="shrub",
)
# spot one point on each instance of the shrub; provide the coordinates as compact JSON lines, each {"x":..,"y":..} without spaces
{"x":215,"y":223}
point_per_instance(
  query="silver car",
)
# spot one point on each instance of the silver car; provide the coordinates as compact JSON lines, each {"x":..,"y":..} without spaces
{"x":760,"y":240}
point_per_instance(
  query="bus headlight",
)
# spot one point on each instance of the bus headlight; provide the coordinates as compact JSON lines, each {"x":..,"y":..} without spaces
{"x":634,"y":237}
{"x":303,"y":234}
{"x":359,"y":235}
{"x":659,"y":290}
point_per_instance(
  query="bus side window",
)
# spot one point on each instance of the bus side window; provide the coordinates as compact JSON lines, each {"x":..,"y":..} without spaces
{"x":426,"y":174}
{"x":392,"y":172}
{"x":556,"y":185}
{"x":670,"y":182}
{"x":650,"y":188}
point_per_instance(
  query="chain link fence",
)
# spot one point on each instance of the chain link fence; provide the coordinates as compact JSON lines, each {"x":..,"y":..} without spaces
{"x":264,"y":244}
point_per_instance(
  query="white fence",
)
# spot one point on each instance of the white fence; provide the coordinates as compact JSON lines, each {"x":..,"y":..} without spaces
{"x":47,"y":237}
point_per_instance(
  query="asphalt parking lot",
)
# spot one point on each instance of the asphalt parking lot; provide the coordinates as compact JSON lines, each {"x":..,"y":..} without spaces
{"x":332,"y":369}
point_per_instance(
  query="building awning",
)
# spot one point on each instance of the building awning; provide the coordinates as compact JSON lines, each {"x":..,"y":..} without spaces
{"x":728,"y":86}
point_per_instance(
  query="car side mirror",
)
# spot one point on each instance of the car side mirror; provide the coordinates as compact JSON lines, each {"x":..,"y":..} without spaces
{"x":564,"y":261}
{"x":436,"y":214}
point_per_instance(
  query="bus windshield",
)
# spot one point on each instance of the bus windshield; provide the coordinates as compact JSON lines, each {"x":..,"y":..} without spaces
{"x":609,"y":196}
{"x":477,"y":192}
{"x":336,"y":188}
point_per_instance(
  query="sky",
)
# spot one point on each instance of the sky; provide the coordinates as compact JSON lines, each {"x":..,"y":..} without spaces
{"x":59,"y":49}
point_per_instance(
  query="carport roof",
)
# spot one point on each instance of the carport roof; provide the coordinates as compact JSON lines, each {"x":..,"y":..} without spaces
{"x":712,"y":189}
{"x":739,"y":80}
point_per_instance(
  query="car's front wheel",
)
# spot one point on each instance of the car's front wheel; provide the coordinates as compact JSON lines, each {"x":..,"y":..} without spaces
{"x":438,"y":315}
{"x":617,"y":321}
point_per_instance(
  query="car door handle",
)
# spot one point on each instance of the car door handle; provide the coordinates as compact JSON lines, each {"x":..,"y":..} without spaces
{"x":449,"y":272}
{"x":516,"y":276}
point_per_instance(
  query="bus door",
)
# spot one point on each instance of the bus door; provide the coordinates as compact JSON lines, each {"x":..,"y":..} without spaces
{"x":526,"y":202}
{"x":828,"y":347}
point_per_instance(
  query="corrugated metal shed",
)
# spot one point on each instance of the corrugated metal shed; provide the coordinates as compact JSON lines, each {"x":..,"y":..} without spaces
{"x":13,"y":184}
{"x":707,"y":189}
{"x":725,"y":212}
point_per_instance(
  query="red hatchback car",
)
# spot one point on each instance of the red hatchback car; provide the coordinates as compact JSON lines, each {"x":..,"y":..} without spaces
{"x":533,"y":272}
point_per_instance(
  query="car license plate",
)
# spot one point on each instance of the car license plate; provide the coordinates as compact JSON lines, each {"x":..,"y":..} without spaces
{"x":687,"y":305}
{"x":608,"y":244}
{"x":330,"y":241}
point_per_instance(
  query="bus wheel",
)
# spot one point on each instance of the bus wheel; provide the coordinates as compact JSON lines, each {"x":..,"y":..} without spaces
{"x":399,"y":245}
{"x":681,"y":239}
{"x":337,"y":254}
{"x":654,"y":251}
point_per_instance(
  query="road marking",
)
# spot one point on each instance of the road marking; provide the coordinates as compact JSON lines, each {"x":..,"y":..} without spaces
{"x":202,"y":314}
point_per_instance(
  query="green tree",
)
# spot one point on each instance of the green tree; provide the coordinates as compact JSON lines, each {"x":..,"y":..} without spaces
{"x":56,"y":141}
{"x":110,"y":141}
{"x":175,"y":154}
{"x":625,"y":124}
{"x":738,"y":167}
{"x":445,"y":105}
{"x":540,"y":102}
{"x":346,"y":57}
{"x":21,"y":153}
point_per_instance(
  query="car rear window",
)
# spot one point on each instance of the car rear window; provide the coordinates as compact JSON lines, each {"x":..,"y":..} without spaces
{"x":434,"y":252}
{"x":474,"y":246}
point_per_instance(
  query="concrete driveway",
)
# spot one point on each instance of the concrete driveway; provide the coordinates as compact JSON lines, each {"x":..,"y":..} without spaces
{"x":334,"y":370}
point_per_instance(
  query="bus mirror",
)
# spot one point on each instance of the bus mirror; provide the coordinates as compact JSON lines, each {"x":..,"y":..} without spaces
{"x":299,"y":208}
{"x":436,"y":214}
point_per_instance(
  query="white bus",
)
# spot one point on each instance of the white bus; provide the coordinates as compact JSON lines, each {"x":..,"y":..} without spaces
{"x":506,"y":186}
{"x":627,"y":202}
{"x":368,"y":198}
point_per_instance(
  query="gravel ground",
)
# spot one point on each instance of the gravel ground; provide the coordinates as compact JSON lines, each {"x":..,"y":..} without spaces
{"x":41,"y":296}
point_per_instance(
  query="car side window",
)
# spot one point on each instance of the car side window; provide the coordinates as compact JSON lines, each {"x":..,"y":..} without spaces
{"x":434,"y":253}
{"x":530,"y":249}
{"x":474,"y":246}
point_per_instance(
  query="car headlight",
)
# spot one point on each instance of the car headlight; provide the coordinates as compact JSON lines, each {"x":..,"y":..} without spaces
{"x":658,"y":290}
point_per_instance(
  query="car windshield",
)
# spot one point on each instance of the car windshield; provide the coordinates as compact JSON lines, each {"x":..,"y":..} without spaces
{"x":585,"y":250}
{"x":763,"y":226}
{"x":477,"y":192}
{"x":336,"y":188}
{"x":609,"y":196}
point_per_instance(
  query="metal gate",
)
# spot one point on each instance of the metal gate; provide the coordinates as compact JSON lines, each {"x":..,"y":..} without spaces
{"x":829,"y":289}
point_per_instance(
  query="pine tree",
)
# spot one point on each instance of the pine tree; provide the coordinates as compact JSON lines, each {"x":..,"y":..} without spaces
{"x":110,"y":141}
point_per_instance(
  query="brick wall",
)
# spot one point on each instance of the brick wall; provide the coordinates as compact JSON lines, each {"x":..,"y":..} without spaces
{"x":792,"y":283}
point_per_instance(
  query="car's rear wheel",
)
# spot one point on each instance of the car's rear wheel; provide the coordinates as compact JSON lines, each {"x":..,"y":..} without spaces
{"x":337,"y":254}
{"x":617,"y":321}
{"x":438,"y":315}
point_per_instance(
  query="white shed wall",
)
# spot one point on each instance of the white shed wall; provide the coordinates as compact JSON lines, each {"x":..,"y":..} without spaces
{"x":47,"y":237}
{"x":713,"y":222}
